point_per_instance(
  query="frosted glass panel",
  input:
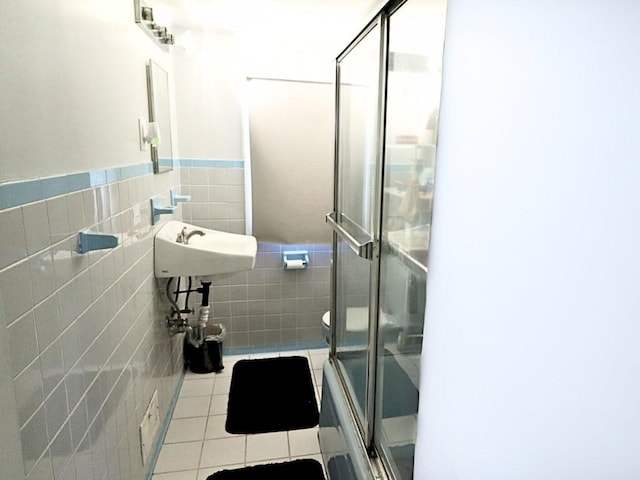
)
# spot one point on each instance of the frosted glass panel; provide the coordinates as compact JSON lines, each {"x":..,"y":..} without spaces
{"x":358,"y":101}
{"x":359,"y":74}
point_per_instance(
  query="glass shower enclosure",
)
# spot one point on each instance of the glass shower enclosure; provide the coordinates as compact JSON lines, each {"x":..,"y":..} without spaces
{"x":388,"y":83}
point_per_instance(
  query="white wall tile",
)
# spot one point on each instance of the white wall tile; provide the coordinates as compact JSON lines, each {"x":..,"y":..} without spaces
{"x":75,"y":211}
{"x":90,"y":206}
{"x":42,"y":469}
{"x":61,"y":451}
{"x":56,"y":410}
{"x":12,"y":237}
{"x":33,"y":441}
{"x":52,"y":366}
{"x":47,"y":326}
{"x":62,"y":263}
{"x":219,"y":193}
{"x":15,"y":284}
{"x":43,"y":278}
{"x":36,"y":226}
{"x":29,"y":392}
{"x":199,"y":176}
{"x":58,"y":215}
{"x":235,"y":176}
{"x":218,"y":176}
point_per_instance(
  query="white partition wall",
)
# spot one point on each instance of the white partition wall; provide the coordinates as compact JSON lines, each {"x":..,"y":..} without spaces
{"x":531,"y":359}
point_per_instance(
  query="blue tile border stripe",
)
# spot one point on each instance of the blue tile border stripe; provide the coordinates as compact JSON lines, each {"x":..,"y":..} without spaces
{"x":210,"y":163}
{"x":20,"y":193}
{"x":27,"y":191}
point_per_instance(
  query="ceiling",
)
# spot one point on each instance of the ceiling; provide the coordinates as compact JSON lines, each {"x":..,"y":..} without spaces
{"x":272,"y":17}
{"x":283,"y":38}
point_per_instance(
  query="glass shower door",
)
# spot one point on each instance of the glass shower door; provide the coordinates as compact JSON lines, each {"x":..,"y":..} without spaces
{"x":355,"y":215}
{"x":416,"y":36}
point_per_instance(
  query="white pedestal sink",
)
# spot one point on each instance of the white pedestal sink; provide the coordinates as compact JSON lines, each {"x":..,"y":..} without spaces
{"x":207,"y":253}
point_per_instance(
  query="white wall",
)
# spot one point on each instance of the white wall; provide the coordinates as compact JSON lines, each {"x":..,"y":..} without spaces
{"x":72,"y":87}
{"x":208,"y":83}
{"x":531,"y":358}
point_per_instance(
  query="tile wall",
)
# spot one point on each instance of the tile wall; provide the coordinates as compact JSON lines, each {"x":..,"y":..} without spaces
{"x":267,"y":308}
{"x":217,"y":194}
{"x":87,"y":350}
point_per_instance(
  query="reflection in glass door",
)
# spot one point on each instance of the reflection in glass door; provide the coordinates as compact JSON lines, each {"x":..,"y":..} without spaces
{"x":355,"y":216}
{"x":416,"y":35}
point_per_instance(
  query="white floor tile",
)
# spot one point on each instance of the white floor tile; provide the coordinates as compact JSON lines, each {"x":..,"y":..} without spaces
{"x":189,"y":375}
{"x":304,"y":442}
{"x":267,"y":445}
{"x":215,"y":428}
{"x":317,"y":457}
{"x":188,"y":475}
{"x":268,"y":461}
{"x":186,"y":430}
{"x":219,"y":405}
{"x":317,"y":377}
{"x":317,"y":360}
{"x":227,"y":370}
{"x":192,"y":407}
{"x":221,"y":386}
{"x":176,"y":457}
{"x":223,"y":451}
{"x":197,"y":387}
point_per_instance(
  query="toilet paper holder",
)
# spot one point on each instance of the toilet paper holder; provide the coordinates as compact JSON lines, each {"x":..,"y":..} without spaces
{"x":295,"y":259}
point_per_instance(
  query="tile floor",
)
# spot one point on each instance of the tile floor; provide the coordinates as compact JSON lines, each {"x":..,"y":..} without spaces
{"x":197,"y":445}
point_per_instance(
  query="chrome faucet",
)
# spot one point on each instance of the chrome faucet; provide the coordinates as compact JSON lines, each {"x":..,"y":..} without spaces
{"x":183,"y":236}
{"x":192,"y":233}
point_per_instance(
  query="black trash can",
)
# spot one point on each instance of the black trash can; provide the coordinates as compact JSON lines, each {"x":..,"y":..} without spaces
{"x":207,"y":357}
{"x":215,"y":336}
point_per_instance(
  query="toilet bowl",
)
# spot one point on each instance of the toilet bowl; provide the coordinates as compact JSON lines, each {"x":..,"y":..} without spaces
{"x":357,"y":322}
{"x":326,"y":327}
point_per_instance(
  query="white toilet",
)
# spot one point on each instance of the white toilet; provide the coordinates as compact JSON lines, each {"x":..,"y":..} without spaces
{"x":357,"y":322}
{"x":326,"y":327}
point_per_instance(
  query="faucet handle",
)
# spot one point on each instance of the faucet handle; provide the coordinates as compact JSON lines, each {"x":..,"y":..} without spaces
{"x":182,"y":236}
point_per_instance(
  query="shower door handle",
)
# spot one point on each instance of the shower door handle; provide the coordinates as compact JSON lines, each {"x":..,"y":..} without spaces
{"x":362,"y":249}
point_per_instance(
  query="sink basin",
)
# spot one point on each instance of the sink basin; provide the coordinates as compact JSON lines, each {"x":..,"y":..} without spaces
{"x":214,"y":253}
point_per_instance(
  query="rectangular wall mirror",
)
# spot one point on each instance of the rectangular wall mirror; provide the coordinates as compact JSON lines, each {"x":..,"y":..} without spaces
{"x":160,"y":115}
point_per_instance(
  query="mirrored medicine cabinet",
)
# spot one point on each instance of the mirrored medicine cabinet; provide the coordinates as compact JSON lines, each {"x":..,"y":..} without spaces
{"x":159,"y":117}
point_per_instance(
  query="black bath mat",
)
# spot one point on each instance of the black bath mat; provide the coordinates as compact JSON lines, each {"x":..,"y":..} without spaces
{"x":296,"y":470}
{"x":271,"y":395}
